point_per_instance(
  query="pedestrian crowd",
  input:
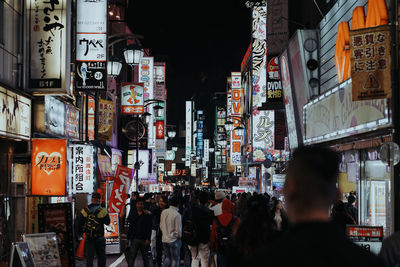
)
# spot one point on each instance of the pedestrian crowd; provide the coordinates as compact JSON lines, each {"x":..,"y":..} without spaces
{"x":206,"y":228}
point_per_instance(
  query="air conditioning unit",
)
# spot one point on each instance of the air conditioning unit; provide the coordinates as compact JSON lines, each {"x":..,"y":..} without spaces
{"x":18,"y":189}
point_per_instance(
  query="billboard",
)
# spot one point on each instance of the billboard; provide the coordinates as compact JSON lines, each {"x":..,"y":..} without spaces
{"x":49,"y":161}
{"x":91,"y":45}
{"x":48,"y":59}
{"x":132,"y":98}
{"x":263,"y":134}
{"x":274,"y":86}
{"x":83,"y":168}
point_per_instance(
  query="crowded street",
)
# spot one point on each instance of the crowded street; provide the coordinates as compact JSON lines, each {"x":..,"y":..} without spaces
{"x":219,"y":134}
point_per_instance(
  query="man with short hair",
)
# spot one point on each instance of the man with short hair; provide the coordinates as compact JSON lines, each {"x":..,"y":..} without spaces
{"x":171,"y":228}
{"x":139,"y":233}
{"x":309,"y":191}
{"x":90,"y":221}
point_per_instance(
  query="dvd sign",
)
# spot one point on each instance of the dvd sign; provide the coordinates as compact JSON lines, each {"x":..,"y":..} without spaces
{"x":274,"y":86}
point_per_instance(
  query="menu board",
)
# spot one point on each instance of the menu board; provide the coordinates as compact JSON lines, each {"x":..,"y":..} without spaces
{"x":44,"y":249}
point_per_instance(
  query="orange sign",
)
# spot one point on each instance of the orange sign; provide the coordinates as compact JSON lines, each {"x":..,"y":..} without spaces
{"x":376,"y":15}
{"x":49,"y":159}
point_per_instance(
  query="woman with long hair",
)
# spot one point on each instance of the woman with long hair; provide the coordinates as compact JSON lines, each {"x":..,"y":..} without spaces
{"x":279,"y":216}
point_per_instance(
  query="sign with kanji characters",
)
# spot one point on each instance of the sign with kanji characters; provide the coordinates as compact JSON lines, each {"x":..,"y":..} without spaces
{"x":370,"y":63}
{"x":274,"y":86}
{"x":263,"y":134}
{"x":368,"y":237}
{"x":119,"y":193}
{"x":160,"y":130}
{"x":236,"y":111}
{"x":91,"y":45}
{"x":48,"y":26}
{"x":49,"y":159}
{"x":132,"y":98}
{"x":83,"y":168}
{"x":106,"y":112}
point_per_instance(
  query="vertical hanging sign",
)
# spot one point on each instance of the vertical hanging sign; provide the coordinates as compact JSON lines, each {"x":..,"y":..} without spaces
{"x":82,"y":169}
{"x":48,"y":39}
{"x":146,"y":76}
{"x":91,"y":45}
{"x":236,"y":101}
{"x":188,"y":129}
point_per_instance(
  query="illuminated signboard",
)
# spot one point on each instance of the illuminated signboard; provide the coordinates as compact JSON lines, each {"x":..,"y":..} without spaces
{"x":236,"y":109}
{"x":132,"y":98}
{"x":188,"y":128}
{"x":54,"y":116}
{"x":83,"y":168}
{"x":146,"y":76}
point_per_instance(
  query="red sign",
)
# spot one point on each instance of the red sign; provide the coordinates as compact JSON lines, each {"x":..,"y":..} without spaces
{"x":273,"y":69}
{"x":364,"y":231}
{"x":119,"y":193}
{"x":160,"y":130}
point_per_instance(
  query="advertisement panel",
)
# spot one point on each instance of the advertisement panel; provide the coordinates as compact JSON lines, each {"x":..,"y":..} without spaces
{"x":49,"y":161}
{"x":259,"y":55}
{"x":91,"y":45}
{"x":57,"y":218}
{"x":132,"y":97}
{"x":160,"y":130}
{"x":44,"y":244}
{"x":111,"y":233}
{"x":188,"y":129}
{"x":48,"y":60}
{"x":54,"y":116}
{"x":15,"y":118}
{"x":83,"y":168}
{"x":105,"y":120}
{"x":368,"y":237}
{"x":144,"y":161}
{"x":146,"y":76}
{"x":159,"y":77}
{"x":334,"y":115}
{"x":370,"y":63}
{"x":71,"y":122}
{"x":263,"y":135}
{"x":119,"y":193}
{"x":274,"y":86}
{"x":236,"y":110}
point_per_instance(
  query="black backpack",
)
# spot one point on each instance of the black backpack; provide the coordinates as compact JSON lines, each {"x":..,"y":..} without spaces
{"x":189,"y":231}
{"x":224,"y":234}
{"x":92,"y":227}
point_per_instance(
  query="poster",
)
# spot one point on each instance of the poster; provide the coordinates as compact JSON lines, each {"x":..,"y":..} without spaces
{"x":71,"y":122}
{"x":368,"y":237}
{"x":48,"y":67}
{"x":370,"y":63}
{"x":49,"y":159}
{"x":57,"y":218}
{"x":111,"y":233}
{"x":119,"y":193}
{"x":91,"y":45}
{"x":132,"y":98}
{"x":105,"y":120}
{"x":263,"y":134}
{"x":82,"y":171}
{"x":54,"y":116}
{"x":44,"y":249}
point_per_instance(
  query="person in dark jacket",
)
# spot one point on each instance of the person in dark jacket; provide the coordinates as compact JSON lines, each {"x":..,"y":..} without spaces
{"x":162,"y":205}
{"x":202,"y":218}
{"x":352,"y":211}
{"x":95,"y":243}
{"x":310,"y":189}
{"x":340,"y":217}
{"x":139,"y":233}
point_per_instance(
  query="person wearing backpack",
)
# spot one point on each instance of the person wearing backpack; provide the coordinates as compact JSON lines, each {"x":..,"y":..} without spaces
{"x":224,"y":227}
{"x":196,"y":230}
{"x":91,"y":221}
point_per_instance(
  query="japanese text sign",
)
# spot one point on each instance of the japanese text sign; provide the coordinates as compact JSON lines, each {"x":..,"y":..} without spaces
{"x":263,"y":134}
{"x":370,"y":63}
{"x":236,"y":110}
{"x":48,"y":34}
{"x":274,"y":86}
{"x":106,"y":112}
{"x":119,"y":194}
{"x":132,"y":97}
{"x":160,"y":130}
{"x":82,"y":169}
{"x":49,"y":166}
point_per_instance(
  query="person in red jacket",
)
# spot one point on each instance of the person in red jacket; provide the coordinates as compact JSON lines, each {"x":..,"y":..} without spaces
{"x":225,"y":219}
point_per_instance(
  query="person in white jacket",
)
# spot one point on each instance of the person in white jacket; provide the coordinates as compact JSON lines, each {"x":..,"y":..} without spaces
{"x":171,"y":228}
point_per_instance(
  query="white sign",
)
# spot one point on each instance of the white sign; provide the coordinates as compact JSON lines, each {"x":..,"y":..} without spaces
{"x":132,"y":98}
{"x":188,"y":147}
{"x":144,"y":161}
{"x":263,"y":133}
{"x":82,"y":169}
{"x":91,"y":16}
{"x":146,"y":76}
{"x":48,"y":43}
{"x":91,"y":46}
{"x":15,"y":115}
{"x":54,"y":115}
{"x":206,"y":150}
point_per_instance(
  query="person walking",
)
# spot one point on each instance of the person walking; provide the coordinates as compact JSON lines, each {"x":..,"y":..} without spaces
{"x":139,"y":233}
{"x":309,"y":191}
{"x":351,"y":209}
{"x":279,"y":216}
{"x":171,"y":228}
{"x":219,"y":198}
{"x":202,"y":218}
{"x":91,"y":221}
{"x":340,"y":216}
{"x":162,"y":205}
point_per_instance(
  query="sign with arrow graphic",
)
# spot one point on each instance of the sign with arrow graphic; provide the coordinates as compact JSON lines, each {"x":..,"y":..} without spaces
{"x":370,"y":63}
{"x":132,"y":98}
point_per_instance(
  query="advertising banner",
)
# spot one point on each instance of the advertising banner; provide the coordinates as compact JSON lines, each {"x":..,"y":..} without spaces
{"x":259,"y":55}
{"x":160,"y":130}
{"x":236,"y":110}
{"x":334,"y":115}
{"x":48,"y":25}
{"x":144,"y":161}
{"x":274,"y":86}
{"x":146,"y":76}
{"x":57,"y":218}
{"x":71,"y":122}
{"x":49,"y":161}
{"x":82,"y":171}
{"x":105,"y":120}
{"x":370,"y":63}
{"x":263,"y":135}
{"x":111,"y":233}
{"x":119,"y":193}
{"x":91,"y":45}
{"x":15,"y":115}
{"x":159,"y":76}
{"x":188,"y":129}
{"x":132,"y":97}
{"x":368,"y":237}
{"x":54,"y":116}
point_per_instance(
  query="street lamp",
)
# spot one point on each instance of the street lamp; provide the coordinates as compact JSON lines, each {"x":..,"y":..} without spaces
{"x":171,"y":134}
{"x":114,"y":66}
{"x":133,"y":54}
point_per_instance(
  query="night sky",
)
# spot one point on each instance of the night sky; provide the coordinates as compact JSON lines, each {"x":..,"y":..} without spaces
{"x":201,"y":41}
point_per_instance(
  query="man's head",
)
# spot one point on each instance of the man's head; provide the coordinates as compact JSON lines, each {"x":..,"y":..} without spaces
{"x":351,"y":199}
{"x":204,"y":197}
{"x":140,"y":204}
{"x":96,"y":197}
{"x":135,"y":195}
{"x":219,"y":196}
{"x":163,"y":202}
{"x":310,"y":186}
{"x":173,"y":201}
